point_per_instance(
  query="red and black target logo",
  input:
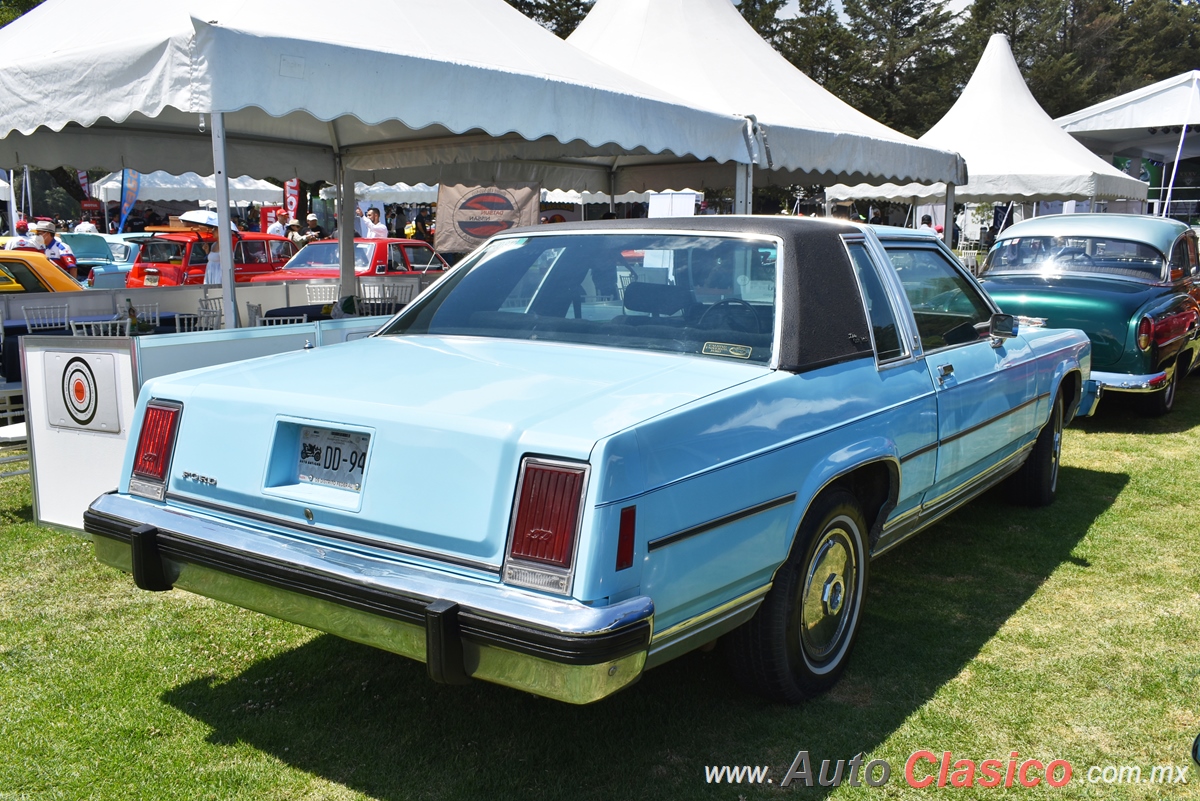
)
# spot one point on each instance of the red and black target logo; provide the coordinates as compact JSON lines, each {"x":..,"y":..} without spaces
{"x":486,"y":213}
{"x":79,"y":391}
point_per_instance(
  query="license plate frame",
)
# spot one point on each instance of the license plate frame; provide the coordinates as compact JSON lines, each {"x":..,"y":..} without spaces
{"x":332,"y":457}
{"x":150,"y":280}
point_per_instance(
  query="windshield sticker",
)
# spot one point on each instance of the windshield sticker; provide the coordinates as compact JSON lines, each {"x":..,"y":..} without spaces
{"x":726,"y":349}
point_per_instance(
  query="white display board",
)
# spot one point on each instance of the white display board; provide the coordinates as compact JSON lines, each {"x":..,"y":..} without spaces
{"x":80,"y":394}
{"x":672,"y":204}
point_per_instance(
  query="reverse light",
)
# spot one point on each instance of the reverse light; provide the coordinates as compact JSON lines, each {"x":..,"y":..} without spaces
{"x":1145,"y":333}
{"x":152,"y":458}
{"x":545,"y":524}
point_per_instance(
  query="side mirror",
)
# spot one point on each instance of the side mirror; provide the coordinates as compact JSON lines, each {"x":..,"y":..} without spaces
{"x":1003,"y":326}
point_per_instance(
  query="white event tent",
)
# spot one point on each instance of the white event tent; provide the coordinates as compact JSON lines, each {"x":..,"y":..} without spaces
{"x":424,"y":193}
{"x":803,"y":132}
{"x":1012,"y":147}
{"x":1152,"y":122}
{"x":487,"y":95}
{"x":160,"y":185}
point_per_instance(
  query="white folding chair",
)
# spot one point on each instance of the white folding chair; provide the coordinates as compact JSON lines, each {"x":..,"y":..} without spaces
{"x":212,"y":316}
{"x":322,"y":293}
{"x":46,"y":318}
{"x":102,"y":328}
{"x":382,"y":298}
{"x":203,"y":320}
{"x":147,"y":313}
{"x":301,"y":318}
{"x":254,"y":313}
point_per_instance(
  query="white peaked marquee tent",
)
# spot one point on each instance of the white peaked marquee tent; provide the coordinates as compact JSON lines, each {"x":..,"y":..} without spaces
{"x":472,"y":90}
{"x":1012,"y":147}
{"x":159,"y":185}
{"x":1159,"y":122}
{"x":804,"y":133}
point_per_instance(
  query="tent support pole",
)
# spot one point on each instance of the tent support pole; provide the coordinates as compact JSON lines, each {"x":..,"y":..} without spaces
{"x":224,"y":230}
{"x":345,"y":218}
{"x":612,"y":191}
{"x":948,"y":227}
{"x":12,"y":204}
{"x":1179,"y":149}
{"x":743,"y":189}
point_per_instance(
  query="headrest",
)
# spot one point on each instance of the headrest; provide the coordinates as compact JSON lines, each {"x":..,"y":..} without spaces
{"x":662,"y":299}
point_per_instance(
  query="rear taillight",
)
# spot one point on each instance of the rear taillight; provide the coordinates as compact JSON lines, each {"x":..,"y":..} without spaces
{"x":545,"y":524}
{"x":152,"y":458}
{"x":91,"y":277}
{"x":1145,"y":333}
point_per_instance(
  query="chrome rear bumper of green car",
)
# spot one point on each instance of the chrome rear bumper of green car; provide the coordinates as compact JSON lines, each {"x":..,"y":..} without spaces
{"x":1124,"y":382}
{"x":462,"y":628}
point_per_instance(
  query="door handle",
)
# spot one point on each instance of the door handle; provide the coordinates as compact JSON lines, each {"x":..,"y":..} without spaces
{"x":944,"y":372}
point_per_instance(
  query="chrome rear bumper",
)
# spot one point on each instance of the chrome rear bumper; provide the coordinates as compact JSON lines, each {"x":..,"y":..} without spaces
{"x":462,"y":628}
{"x":1124,"y":382}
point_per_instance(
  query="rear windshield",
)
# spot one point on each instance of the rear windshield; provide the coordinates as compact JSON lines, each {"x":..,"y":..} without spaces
{"x":700,"y":294}
{"x":1074,"y":254}
{"x":325,"y":254}
{"x":161,"y":251}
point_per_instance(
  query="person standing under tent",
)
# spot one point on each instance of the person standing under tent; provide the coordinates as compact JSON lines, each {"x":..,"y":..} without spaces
{"x":279,"y":227}
{"x":374,"y":229}
{"x":86,"y":226}
{"x":53,"y":248}
{"x":23,"y":240}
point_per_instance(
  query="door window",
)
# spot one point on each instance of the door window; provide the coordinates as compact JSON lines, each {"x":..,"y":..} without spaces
{"x":948,"y":308}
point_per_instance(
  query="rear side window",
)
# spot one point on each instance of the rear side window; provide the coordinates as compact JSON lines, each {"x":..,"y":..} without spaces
{"x":23,"y":275}
{"x":879,"y":308}
{"x":1183,"y":257}
{"x":199,"y":254}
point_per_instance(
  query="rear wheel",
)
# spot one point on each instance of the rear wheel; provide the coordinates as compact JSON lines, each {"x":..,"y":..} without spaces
{"x":1156,"y":404}
{"x":798,"y":643}
{"x":1036,"y":483}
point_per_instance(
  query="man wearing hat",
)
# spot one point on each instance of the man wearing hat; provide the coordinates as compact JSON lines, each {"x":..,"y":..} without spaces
{"x":54,"y":249}
{"x":315,"y":231}
{"x":279,"y":227}
{"x":293,"y":233}
{"x":22,"y":240}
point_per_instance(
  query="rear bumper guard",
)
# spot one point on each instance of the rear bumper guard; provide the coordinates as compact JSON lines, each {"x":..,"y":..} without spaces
{"x":461,"y":628}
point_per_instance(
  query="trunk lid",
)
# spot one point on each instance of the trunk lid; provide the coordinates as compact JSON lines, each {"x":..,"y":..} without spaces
{"x":448,"y":419}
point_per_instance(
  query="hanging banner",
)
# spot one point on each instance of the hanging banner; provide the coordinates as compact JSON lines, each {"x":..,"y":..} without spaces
{"x":131,"y":182}
{"x":467,"y":215}
{"x":291,"y":197}
{"x":83,"y":181}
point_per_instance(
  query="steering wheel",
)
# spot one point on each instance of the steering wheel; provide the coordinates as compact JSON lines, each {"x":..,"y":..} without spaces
{"x":1074,"y":254}
{"x":731,"y":318}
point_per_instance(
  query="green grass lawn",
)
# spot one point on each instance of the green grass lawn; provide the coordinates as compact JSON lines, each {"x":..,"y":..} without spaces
{"x":1066,"y":633}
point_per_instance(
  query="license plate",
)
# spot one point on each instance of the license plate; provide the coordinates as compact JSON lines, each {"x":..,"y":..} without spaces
{"x":151,"y":280}
{"x":332,"y":458}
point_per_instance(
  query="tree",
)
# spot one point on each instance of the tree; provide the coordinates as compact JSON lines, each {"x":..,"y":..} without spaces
{"x":561,"y":17}
{"x":11,"y":9}
{"x":763,"y":16}
{"x":909,"y":71}
{"x":815,"y":42}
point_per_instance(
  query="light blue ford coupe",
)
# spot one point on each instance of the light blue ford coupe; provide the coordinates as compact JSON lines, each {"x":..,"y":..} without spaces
{"x":591,"y":448}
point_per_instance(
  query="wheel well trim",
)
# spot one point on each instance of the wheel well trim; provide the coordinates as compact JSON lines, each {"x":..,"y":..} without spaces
{"x":891,"y":461}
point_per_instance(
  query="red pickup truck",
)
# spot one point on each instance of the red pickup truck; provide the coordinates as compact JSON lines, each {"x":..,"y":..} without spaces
{"x":172,"y":259}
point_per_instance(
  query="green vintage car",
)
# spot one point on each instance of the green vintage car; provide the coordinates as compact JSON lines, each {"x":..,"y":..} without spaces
{"x":1131,"y":282}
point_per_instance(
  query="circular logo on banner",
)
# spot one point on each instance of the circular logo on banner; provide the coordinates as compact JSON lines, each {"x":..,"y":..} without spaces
{"x":483,"y":214}
{"x":79,"y":391}
{"x":292,"y":202}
